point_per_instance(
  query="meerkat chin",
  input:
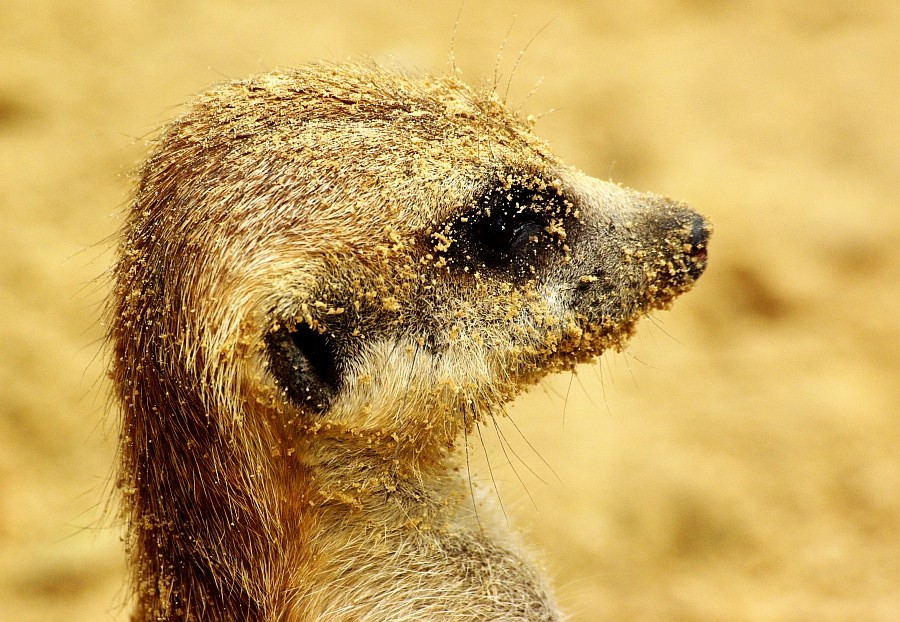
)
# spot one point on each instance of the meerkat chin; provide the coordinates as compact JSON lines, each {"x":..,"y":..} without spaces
{"x":327,"y":277}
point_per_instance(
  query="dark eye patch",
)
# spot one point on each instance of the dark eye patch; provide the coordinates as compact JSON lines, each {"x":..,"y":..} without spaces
{"x":505,"y":228}
{"x":506,"y":232}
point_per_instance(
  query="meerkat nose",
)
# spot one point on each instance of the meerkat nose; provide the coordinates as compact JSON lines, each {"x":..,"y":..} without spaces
{"x":700,"y":230}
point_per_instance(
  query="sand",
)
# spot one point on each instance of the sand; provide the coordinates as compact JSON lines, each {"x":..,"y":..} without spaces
{"x":741,"y":461}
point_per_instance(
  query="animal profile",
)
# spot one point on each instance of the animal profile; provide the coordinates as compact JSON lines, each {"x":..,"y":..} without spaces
{"x":328,"y":277}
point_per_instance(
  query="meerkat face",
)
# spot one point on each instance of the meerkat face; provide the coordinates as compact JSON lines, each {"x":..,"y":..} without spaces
{"x":486,"y":264}
{"x":388,"y":252}
{"x":533,"y":272}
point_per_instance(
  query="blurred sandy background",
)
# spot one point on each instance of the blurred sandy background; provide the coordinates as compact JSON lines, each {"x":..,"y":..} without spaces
{"x":740,"y":462}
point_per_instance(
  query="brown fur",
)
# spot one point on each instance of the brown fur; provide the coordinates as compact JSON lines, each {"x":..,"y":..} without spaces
{"x":328,"y":277}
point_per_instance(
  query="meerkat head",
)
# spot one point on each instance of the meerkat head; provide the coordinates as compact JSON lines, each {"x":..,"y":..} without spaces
{"x":326,"y":277}
{"x":345,"y":247}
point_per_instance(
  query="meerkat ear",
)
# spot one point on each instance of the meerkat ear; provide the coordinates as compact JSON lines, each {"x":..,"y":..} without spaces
{"x":304,"y":363}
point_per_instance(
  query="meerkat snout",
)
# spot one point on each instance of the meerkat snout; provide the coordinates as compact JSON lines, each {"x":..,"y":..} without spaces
{"x":328,"y":278}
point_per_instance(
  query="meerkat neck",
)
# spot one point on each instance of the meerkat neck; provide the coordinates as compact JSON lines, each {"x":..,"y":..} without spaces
{"x":393,"y":479}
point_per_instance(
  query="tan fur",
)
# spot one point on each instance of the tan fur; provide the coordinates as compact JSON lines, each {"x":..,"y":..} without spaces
{"x":315,"y":303}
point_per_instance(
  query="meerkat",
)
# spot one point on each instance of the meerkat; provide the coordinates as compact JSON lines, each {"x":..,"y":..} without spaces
{"x":328,"y":277}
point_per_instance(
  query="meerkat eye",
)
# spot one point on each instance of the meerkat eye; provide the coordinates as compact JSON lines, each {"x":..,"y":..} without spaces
{"x":507,"y":233}
{"x":507,"y":227}
{"x":508,"y":219}
{"x":304,"y":363}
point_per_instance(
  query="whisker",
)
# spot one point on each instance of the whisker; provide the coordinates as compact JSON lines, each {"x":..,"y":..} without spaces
{"x":503,"y":438}
{"x":547,"y":112}
{"x":451,"y":59}
{"x":510,"y":462}
{"x":656,"y":322}
{"x":566,"y":401}
{"x":550,"y":390}
{"x":530,"y":94}
{"x":519,"y":58}
{"x":500,"y":56}
{"x":586,"y":392}
{"x":487,"y":458}
{"x":530,"y":446}
{"x":630,"y":355}
{"x":469,"y":470}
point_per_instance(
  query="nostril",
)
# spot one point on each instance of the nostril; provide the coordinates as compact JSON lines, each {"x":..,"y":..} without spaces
{"x":695,"y":248}
{"x":699,"y":233}
{"x":698,"y":238}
